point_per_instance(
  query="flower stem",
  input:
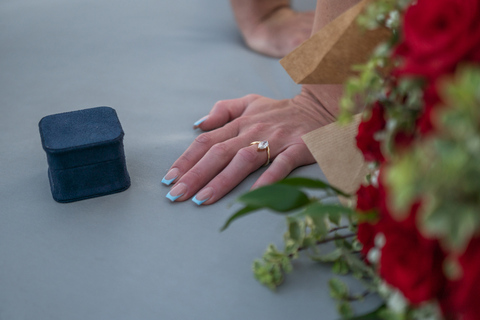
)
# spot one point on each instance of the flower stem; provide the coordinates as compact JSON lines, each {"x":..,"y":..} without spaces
{"x":319,"y":242}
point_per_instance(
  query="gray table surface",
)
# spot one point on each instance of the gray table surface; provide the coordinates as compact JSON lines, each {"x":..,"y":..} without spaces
{"x":134,"y":255}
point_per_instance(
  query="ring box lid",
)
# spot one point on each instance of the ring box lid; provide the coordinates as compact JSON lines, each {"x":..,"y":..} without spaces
{"x":82,"y":137}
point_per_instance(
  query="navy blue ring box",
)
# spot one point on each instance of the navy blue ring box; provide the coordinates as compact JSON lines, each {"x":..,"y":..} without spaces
{"x":85,"y":153}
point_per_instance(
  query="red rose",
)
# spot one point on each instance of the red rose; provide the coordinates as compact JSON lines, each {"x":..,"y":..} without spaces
{"x":403,"y":140}
{"x":371,"y":199}
{"x":462,"y":296}
{"x":431,"y":101}
{"x":437,"y":35}
{"x":409,"y":261}
{"x":366,"y":142}
{"x":368,"y":199}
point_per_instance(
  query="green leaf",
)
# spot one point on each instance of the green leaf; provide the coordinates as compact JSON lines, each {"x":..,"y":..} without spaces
{"x":340,"y":267}
{"x":388,"y":314}
{"x":263,"y":275}
{"x":277,"y":197}
{"x":242,"y":212}
{"x":338,"y":289}
{"x":318,"y":224}
{"x":311,"y":184}
{"x":344,"y":243}
{"x":345,"y":309}
{"x":373,"y":315}
{"x":357,"y":265}
{"x":455,"y":222}
{"x":296,"y":231}
{"x":309,"y":242}
{"x":329,"y":257}
{"x":320,"y":210}
{"x":287,"y":265}
{"x":272,"y":254}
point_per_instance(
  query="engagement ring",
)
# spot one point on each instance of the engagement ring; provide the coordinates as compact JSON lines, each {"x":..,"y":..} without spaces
{"x":263,"y":145}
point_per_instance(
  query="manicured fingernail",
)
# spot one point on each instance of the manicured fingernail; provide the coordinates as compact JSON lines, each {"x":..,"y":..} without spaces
{"x":177,"y":192}
{"x":203,"y":196}
{"x":199,"y":121}
{"x":170,"y":177}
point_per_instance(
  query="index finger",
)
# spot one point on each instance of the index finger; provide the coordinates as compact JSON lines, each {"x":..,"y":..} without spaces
{"x":197,"y":150}
{"x":224,"y":111}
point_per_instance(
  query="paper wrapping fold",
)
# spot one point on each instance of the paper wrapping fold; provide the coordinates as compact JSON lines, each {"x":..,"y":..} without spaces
{"x":334,"y":148}
{"x":327,"y":57}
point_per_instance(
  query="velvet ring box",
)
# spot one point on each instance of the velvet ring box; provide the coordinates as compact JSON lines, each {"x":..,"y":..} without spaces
{"x":85,"y":153}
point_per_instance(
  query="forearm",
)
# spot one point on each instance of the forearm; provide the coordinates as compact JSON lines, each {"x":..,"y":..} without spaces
{"x":327,"y":95}
{"x":249,"y":13}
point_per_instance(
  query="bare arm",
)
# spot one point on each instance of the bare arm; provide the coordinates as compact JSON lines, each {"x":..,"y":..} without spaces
{"x":272,"y":27}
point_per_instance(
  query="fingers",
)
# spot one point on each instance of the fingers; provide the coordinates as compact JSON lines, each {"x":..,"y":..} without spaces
{"x":198,"y":149}
{"x":293,"y":157}
{"x":246,"y":161}
{"x":223,"y":112}
{"x":238,"y":164}
{"x":220,"y":159}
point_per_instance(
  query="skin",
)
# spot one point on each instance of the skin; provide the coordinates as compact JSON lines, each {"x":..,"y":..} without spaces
{"x":272,"y":27}
{"x":220,"y":158}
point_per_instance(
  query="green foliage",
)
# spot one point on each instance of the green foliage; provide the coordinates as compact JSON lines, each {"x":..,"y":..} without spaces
{"x":443,"y":170}
{"x":309,"y":223}
{"x":338,"y":289}
{"x":345,"y":309}
{"x":367,"y":86}
{"x":387,"y":314}
{"x":312,"y":184}
{"x":271,"y":269}
{"x":373,"y":315}
{"x":383,"y":13}
{"x":278,"y":197}
{"x":371,"y":82}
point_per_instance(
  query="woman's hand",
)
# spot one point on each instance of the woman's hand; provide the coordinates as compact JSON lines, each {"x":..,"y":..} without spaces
{"x":221,"y":158}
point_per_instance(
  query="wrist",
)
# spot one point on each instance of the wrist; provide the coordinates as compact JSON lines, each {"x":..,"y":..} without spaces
{"x":320,"y":101}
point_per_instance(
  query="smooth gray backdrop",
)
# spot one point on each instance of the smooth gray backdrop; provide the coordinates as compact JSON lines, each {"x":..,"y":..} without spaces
{"x":134,"y":255}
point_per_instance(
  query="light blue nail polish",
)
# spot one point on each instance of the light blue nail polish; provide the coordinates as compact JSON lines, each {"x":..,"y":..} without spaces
{"x":168,"y":182}
{"x":198,"y":202}
{"x":198,"y":122}
{"x":173,"y":198}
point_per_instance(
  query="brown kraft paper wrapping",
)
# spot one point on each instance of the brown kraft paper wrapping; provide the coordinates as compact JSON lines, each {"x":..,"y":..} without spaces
{"x":327,"y":57}
{"x":334,"y":148}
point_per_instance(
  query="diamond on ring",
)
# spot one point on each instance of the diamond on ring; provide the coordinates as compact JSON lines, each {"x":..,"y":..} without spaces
{"x":263,"y":145}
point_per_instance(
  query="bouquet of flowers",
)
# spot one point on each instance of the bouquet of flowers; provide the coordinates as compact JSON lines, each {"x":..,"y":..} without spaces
{"x":413,"y":234}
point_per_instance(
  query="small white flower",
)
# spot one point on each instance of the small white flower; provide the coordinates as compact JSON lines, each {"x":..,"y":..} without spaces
{"x":384,"y":289}
{"x":397,"y":302}
{"x":392,"y":124}
{"x":393,"y":19}
{"x":380,"y":240}
{"x":374,"y":178}
{"x":380,"y":17}
{"x":379,"y":136}
{"x":372,"y":166}
{"x":373,"y":255}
